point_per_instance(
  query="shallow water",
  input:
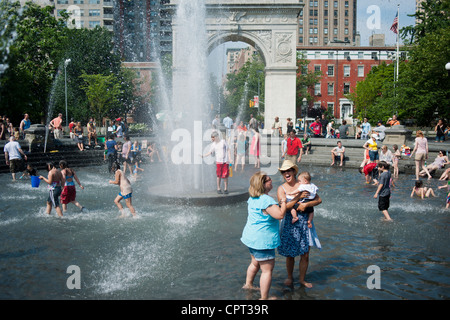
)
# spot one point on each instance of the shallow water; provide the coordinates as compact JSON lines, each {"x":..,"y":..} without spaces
{"x":171,"y":252}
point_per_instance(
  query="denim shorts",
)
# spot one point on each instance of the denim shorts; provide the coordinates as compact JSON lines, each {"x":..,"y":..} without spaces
{"x":373,"y":155}
{"x":262,"y":255}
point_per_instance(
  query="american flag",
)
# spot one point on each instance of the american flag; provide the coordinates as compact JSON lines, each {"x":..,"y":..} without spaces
{"x":394,"y":26}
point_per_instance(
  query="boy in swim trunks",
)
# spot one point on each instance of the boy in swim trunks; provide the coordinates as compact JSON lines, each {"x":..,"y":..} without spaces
{"x":125,"y":190}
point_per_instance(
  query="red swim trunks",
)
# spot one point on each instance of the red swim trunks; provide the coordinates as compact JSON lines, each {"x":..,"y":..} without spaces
{"x":68,"y":194}
{"x":222,"y":170}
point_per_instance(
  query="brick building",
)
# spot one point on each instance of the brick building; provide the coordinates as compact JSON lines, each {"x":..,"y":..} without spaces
{"x":342,"y":67}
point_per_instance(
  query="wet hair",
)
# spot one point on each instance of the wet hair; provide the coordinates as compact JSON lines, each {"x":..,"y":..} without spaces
{"x":50,"y":165}
{"x":419,"y":183}
{"x":383,"y":164}
{"x":256,"y":188}
{"x":115,"y":166}
{"x":63,"y":164}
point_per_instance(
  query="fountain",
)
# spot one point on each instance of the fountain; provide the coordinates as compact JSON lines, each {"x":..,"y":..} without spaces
{"x":193,"y":178}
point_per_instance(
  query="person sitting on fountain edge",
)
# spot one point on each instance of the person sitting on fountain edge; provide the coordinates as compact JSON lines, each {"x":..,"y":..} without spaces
{"x":220,"y":149}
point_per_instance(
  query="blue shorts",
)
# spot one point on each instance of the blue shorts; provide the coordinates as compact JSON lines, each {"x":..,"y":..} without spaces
{"x":440,"y":138}
{"x":373,"y":155}
{"x":126,"y":196}
{"x":262,"y":255}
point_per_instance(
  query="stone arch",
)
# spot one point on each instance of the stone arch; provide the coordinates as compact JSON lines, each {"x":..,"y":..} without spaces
{"x":271,"y":27}
{"x":246,"y":37}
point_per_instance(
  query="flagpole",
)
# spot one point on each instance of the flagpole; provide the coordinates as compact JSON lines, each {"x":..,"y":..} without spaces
{"x":398,"y":36}
{"x":397,"y":56}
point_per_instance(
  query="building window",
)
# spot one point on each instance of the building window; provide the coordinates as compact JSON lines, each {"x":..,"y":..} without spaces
{"x":94,"y":1}
{"x":300,"y":39}
{"x":335,"y":31}
{"x":325,"y":31}
{"x":300,"y":22}
{"x":346,"y":88}
{"x":93,"y":24}
{"x":330,"y":54}
{"x":317,"y":89}
{"x":346,"y":71}
{"x":317,"y":68}
{"x":94,"y":12}
{"x":330,"y":70}
{"x":325,"y":4}
{"x":374,"y":56}
{"x":330,"y":90}
{"x":360,"y":71}
{"x":325,"y":22}
{"x":78,"y":1}
{"x":335,"y":4}
{"x":62,"y":2}
{"x":300,"y":30}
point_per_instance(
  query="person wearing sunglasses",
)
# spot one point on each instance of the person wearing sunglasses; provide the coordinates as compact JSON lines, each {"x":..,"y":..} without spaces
{"x":294,"y":236}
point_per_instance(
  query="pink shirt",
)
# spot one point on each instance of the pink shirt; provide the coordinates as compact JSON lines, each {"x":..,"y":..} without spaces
{"x":422,"y":144}
{"x":56,"y":123}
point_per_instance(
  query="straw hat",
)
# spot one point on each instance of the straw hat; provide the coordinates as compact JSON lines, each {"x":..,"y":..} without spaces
{"x":288,"y":164}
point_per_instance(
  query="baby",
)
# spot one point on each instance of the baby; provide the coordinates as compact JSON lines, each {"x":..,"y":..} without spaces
{"x":305,"y":185}
{"x":422,"y":191}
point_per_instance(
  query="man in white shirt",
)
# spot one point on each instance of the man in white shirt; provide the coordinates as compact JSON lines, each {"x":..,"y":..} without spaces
{"x":365,"y":126}
{"x":13,"y":157}
{"x":338,"y":151}
{"x":222,"y":154}
{"x":228,"y":123}
{"x":380,"y":128}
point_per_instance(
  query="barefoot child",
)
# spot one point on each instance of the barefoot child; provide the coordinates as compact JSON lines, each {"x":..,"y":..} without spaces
{"x":383,"y":190}
{"x":395,"y":159}
{"x":125,"y":190}
{"x":421,"y":191}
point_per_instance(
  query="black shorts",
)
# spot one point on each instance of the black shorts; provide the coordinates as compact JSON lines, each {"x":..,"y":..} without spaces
{"x":383,"y":203}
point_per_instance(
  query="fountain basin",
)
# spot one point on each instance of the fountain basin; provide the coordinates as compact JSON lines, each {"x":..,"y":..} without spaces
{"x":165,"y":195}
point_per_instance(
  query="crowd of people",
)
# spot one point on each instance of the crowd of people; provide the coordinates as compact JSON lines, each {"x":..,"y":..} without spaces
{"x":284,"y":225}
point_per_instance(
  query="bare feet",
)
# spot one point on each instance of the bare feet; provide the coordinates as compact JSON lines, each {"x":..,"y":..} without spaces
{"x":249,"y":287}
{"x":306,"y":284}
{"x":294,"y":219}
{"x":288,"y":282}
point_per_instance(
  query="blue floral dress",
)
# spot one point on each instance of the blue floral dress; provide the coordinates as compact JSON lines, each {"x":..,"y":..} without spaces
{"x":296,"y":238}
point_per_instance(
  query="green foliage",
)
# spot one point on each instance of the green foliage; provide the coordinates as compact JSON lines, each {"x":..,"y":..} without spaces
{"x":422,"y":90}
{"x":305,"y":83}
{"x":32,"y":60}
{"x":243,"y":86}
{"x":102,"y":93}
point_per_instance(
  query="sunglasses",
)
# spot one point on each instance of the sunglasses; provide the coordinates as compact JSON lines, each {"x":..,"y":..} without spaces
{"x":267,"y":179}
{"x":284,"y":171}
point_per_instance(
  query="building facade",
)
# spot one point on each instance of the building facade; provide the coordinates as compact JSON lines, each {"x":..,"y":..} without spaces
{"x":86,"y":13}
{"x":323,"y":22}
{"x":142,"y":29}
{"x":341,"y":69}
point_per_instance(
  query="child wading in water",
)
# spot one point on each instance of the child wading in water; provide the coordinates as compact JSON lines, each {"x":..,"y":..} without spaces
{"x":125,"y":190}
{"x":384,"y":191}
{"x":421,"y":191}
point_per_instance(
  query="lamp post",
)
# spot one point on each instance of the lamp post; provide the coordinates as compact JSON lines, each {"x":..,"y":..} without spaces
{"x":66,"y":62}
{"x":447,"y":67}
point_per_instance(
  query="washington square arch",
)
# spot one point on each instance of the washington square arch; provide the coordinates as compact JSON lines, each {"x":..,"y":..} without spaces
{"x":271,"y":28}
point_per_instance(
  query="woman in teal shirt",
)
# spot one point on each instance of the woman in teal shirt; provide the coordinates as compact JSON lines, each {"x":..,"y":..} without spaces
{"x":261,"y":232}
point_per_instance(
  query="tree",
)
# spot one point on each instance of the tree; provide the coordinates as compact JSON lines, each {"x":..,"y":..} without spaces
{"x":33,"y":60}
{"x":305,"y":84}
{"x":243,"y":86}
{"x":102,"y":93}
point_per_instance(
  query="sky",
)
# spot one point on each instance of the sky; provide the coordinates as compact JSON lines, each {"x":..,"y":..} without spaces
{"x":378,"y":16}
{"x":373,"y":16}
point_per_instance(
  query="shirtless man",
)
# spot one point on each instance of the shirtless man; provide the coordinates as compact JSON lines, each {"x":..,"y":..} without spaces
{"x":125,"y":190}
{"x":55,"y":180}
